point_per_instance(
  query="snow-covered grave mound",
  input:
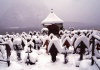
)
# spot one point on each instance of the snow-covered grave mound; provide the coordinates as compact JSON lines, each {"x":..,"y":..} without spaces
{"x":57,"y":44}
{"x":74,"y":38}
{"x":44,"y":30}
{"x":17,"y":41}
{"x":67,"y":42}
{"x":85,"y":65}
{"x":10,"y":43}
{"x":2,"y":53}
{"x":82,"y":38}
{"x":27,"y":47}
{"x":67,"y":39}
{"x":71,"y":49}
{"x":33,"y":57}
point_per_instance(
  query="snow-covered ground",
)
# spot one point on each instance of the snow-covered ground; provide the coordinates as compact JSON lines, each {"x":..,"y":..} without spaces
{"x":42,"y":58}
{"x":45,"y":63}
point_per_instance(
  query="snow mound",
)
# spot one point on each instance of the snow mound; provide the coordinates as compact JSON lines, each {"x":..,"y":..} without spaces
{"x":67,"y":39}
{"x":74,"y":38}
{"x":30,"y":43}
{"x":82,"y":38}
{"x":9,"y":42}
{"x":15,"y":66}
{"x":77,"y":63}
{"x":13,"y":56}
{"x":32,"y":56}
{"x":64,"y":36}
{"x":2,"y":52}
{"x":17,"y":41}
{"x":85,"y":65}
{"x":44,"y":29}
{"x":71,"y":49}
{"x":57,"y":44}
{"x":41,"y":51}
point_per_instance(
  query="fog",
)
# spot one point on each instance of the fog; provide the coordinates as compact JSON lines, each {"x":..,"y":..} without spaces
{"x":30,"y":13}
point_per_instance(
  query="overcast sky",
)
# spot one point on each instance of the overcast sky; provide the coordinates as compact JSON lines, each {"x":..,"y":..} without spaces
{"x":30,"y":12}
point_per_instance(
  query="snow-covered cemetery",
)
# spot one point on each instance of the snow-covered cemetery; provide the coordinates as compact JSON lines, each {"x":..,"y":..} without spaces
{"x":51,"y":48}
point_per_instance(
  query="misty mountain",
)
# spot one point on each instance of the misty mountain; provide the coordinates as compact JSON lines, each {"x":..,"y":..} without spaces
{"x":80,"y":25}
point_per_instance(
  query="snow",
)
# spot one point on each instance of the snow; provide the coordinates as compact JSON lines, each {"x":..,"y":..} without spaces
{"x":82,"y":38}
{"x":74,"y":37}
{"x":33,"y":57}
{"x":61,"y":32}
{"x":13,"y":56}
{"x":71,"y":49}
{"x":1,"y":40}
{"x":52,"y":18}
{"x":15,"y":66}
{"x":64,"y":36}
{"x":10,"y":43}
{"x":44,"y":29}
{"x":44,"y":63}
{"x":44,"y":38}
{"x":97,"y":54}
{"x":27,"y":46}
{"x":95,"y":59}
{"x":97,"y":37}
{"x":57,"y":44}
{"x":17,"y":41}
{"x":43,"y":60}
{"x":85,"y":65}
{"x":97,"y":42}
{"x":68,"y":39}
{"x":2,"y":52}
